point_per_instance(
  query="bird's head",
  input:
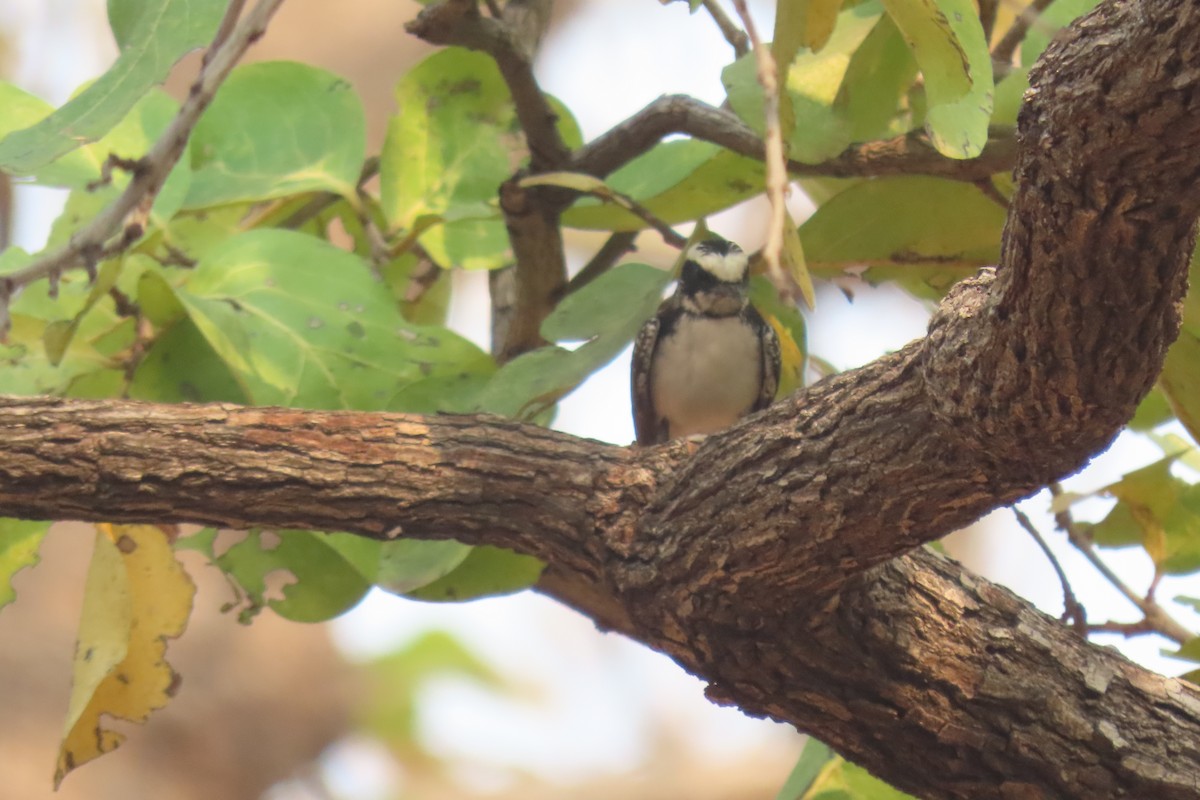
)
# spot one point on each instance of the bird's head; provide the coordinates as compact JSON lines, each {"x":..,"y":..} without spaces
{"x":714,"y":278}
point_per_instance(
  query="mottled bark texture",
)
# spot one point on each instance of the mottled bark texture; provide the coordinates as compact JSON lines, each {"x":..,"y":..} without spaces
{"x":778,"y":562}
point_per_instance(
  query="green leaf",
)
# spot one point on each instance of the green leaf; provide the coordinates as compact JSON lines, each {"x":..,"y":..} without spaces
{"x":1154,"y":410}
{"x":947,"y":41}
{"x":154,"y":34}
{"x":85,"y":340}
{"x":841,"y":780}
{"x":19,"y":542}
{"x":300,"y":322}
{"x":447,"y":151}
{"x":807,"y":23}
{"x":813,"y":82}
{"x":1056,"y":17}
{"x":1010,"y":94}
{"x":181,"y":367}
{"x":329,"y":573}
{"x":614,"y":305}
{"x":606,"y":314}
{"x":925,"y":233}
{"x":19,"y":109}
{"x":874,"y":90}
{"x":1180,"y":378}
{"x":1158,"y":511}
{"x":812,"y":759}
{"x":409,"y":564}
{"x":485,"y":572}
{"x":677,"y":181}
{"x":275,"y":129}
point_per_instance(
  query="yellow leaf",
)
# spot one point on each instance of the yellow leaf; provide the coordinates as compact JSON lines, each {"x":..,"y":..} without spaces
{"x":791,"y":359}
{"x":793,"y":256}
{"x":137,"y":596}
{"x":579,"y":181}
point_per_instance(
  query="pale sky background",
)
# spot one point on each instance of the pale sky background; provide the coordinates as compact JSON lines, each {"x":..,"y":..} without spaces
{"x":603,"y":698}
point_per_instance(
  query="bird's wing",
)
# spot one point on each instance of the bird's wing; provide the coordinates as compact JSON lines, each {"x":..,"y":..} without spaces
{"x":770,"y":360}
{"x":648,"y":427}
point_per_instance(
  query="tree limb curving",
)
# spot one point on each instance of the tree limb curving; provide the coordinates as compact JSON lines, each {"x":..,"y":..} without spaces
{"x":781,"y":561}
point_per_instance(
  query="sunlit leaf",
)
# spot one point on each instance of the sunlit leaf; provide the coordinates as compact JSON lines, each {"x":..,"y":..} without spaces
{"x":20,"y":109}
{"x":947,"y":41}
{"x":154,"y":34}
{"x":448,"y":150}
{"x":274,"y":129}
{"x":813,"y":82}
{"x":1158,"y":511}
{"x":300,"y":322}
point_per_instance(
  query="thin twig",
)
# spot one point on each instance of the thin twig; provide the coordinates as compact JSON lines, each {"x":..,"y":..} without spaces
{"x":1073,"y":610}
{"x":1002,"y":53}
{"x":112,"y":230}
{"x":987,"y":17}
{"x":909,"y":154}
{"x":1126,"y":629}
{"x":773,"y":153}
{"x":423,"y":276}
{"x":733,"y":34}
{"x":232,"y":13}
{"x":1155,"y":615}
{"x":605,"y":258}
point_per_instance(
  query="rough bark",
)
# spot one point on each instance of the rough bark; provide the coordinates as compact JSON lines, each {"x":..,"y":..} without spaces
{"x":772,"y":561}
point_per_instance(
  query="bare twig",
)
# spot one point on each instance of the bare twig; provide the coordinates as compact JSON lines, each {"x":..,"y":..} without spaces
{"x":422,"y":278}
{"x":605,"y":258}
{"x":733,"y":34}
{"x":1073,"y":610}
{"x":1126,"y":629}
{"x":232,"y":13}
{"x":1156,"y":617}
{"x":1002,"y":53}
{"x":112,"y":230}
{"x":773,"y":153}
{"x":910,"y":154}
{"x":987,"y":17}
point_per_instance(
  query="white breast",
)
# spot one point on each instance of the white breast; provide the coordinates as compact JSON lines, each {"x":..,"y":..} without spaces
{"x":705,"y":375}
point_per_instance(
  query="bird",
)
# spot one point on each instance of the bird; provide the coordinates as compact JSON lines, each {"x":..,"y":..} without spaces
{"x":707,"y":357}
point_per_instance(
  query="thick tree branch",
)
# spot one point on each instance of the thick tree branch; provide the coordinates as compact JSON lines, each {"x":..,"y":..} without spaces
{"x":905,"y":155}
{"x":767,"y":562}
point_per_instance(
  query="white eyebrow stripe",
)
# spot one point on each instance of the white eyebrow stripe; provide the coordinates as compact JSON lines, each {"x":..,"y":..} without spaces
{"x":731,"y":267}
